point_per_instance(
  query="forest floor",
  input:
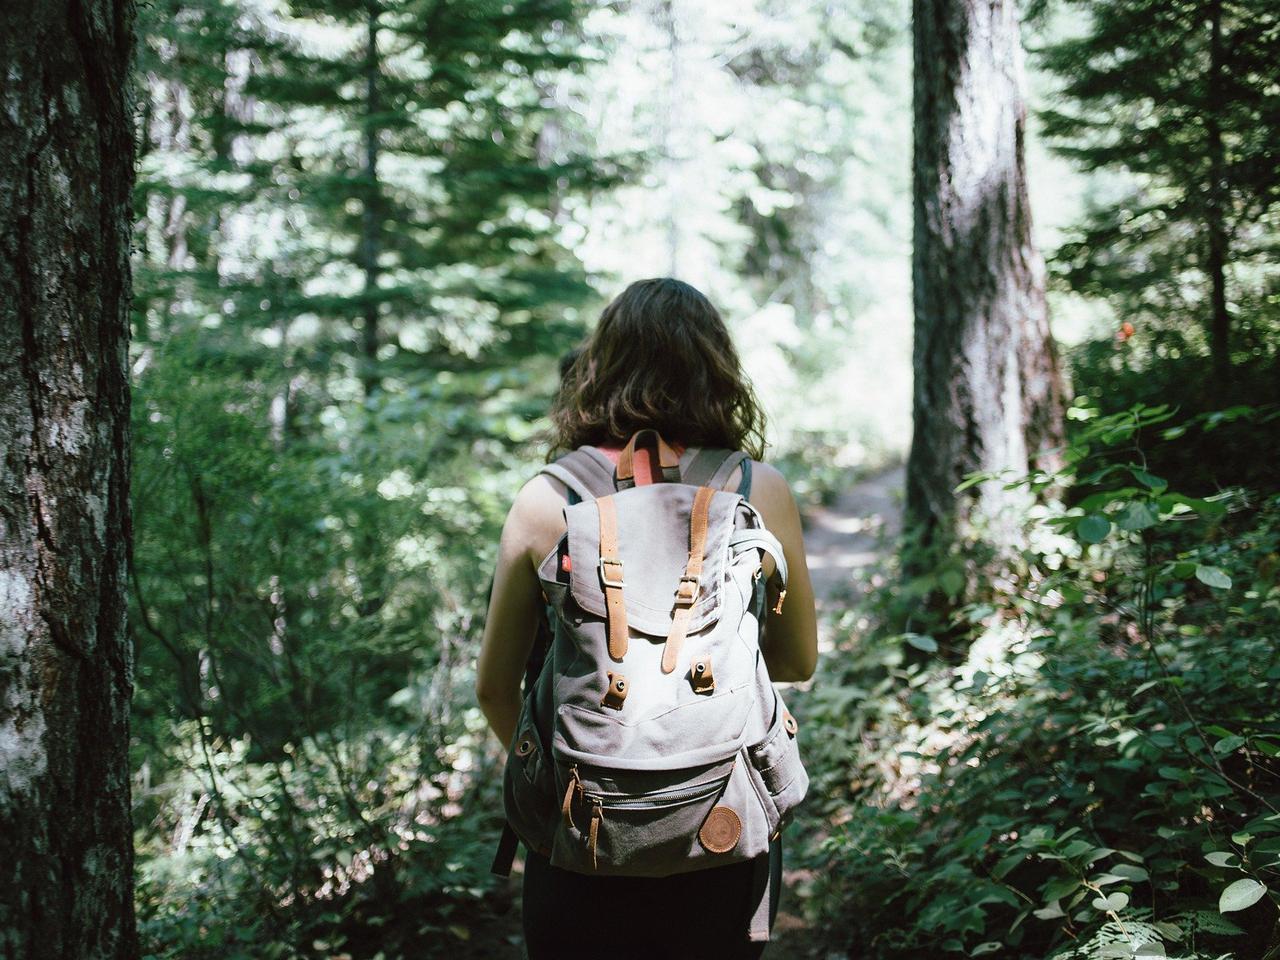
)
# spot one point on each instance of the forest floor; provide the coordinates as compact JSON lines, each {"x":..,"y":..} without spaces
{"x":845,"y":541}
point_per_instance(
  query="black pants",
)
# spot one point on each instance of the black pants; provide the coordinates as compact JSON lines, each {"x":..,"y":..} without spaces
{"x":702,"y":915}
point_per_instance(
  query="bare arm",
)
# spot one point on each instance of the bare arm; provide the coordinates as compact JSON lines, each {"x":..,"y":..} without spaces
{"x":791,"y":637}
{"x":533,"y":526}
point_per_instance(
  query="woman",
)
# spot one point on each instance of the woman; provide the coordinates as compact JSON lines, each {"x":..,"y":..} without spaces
{"x":660,"y":358}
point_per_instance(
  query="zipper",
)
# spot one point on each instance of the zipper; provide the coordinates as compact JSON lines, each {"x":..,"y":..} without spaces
{"x":658,"y":800}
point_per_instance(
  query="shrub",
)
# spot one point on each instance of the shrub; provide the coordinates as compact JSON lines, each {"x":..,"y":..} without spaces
{"x":1097,"y":775}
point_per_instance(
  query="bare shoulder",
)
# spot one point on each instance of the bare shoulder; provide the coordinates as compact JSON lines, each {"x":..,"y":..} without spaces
{"x":536,"y":519}
{"x":770,"y":491}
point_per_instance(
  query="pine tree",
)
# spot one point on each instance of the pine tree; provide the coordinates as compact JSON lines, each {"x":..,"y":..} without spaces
{"x":1182,"y":97}
{"x":430,"y":196}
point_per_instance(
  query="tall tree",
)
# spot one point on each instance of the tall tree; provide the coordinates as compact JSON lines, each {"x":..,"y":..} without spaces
{"x":1182,"y":97}
{"x":66,"y":171}
{"x":987,"y":395}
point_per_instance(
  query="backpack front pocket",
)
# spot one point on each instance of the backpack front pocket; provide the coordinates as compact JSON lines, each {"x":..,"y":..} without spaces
{"x":644,"y":823}
{"x":779,"y":776}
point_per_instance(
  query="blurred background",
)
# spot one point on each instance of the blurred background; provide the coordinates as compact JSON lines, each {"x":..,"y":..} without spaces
{"x":367,"y":230}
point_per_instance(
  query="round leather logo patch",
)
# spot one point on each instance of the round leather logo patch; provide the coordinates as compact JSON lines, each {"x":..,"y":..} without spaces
{"x":721,"y":830}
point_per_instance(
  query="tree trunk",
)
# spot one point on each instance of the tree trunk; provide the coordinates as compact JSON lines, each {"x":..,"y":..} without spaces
{"x":1216,"y":254}
{"x":66,"y":171}
{"x":987,"y":395}
{"x":371,"y":222}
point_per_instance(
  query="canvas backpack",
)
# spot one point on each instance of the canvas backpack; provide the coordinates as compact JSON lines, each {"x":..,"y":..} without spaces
{"x":651,"y":740}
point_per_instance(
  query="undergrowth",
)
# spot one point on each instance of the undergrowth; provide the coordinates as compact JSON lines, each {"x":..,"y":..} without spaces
{"x":1094,"y":772}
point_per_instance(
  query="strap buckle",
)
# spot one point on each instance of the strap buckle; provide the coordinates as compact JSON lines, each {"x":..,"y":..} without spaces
{"x":604,"y":577}
{"x":687,"y":590}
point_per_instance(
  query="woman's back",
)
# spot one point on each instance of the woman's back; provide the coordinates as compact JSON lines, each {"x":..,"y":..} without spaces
{"x":660,"y":359}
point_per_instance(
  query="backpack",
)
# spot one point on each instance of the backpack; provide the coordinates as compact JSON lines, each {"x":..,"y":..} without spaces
{"x":652,"y":741}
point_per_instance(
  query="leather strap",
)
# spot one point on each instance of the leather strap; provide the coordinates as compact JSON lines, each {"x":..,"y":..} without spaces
{"x":611,"y":578}
{"x":668,"y":460}
{"x":762,"y":897}
{"x":688,"y":588}
{"x":701,"y":675}
{"x":506,"y":852}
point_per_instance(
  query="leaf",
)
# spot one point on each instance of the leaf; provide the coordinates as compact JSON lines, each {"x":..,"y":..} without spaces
{"x":951,"y":581}
{"x":1052,"y":912}
{"x":1059,"y":887}
{"x":1093,"y":528}
{"x":1150,"y":950}
{"x":1241,"y":895}
{"x":1106,"y":879}
{"x":1131,"y":872}
{"x":1113,"y":902}
{"x":1149,"y":479}
{"x":921,"y":642}
{"x":1170,"y":502}
{"x":1213,"y":577}
{"x":1137,"y":515}
{"x":991,"y":946}
{"x":1228,"y":745}
{"x":973,"y":479}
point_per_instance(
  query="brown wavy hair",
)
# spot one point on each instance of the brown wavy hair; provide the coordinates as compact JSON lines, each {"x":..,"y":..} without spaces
{"x":660,"y":357}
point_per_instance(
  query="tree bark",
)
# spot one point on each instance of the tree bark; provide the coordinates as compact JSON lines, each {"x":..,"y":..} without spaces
{"x":66,"y":172}
{"x":987,"y":394}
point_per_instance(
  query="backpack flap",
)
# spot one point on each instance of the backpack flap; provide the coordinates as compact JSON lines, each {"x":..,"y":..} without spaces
{"x":653,"y":545}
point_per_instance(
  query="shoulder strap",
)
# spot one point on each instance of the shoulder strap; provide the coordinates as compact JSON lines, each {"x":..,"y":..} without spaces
{"x":711,"y":467}
{"x":586,"y":472}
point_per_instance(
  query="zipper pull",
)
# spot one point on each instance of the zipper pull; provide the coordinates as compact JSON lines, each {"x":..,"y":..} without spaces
{"x":575,"y":785}
{"x":597,"y":814}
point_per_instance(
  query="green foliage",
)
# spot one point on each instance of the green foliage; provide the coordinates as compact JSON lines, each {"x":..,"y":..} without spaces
{"x":340,"y":361}
{"x":1222,"y":439}
{"x":1095,"y":772}
{"x":305,"y":611}
{"x":1175,"y":105}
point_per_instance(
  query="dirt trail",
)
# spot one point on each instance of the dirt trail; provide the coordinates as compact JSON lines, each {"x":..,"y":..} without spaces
{"x":845,"y":538}
{"x":844,"y":541}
